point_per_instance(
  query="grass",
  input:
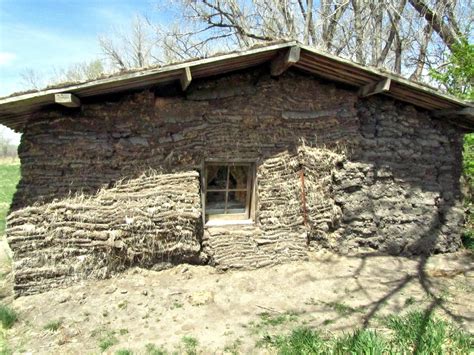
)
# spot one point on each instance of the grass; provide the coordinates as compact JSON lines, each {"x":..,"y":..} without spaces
{"x":123,"y":352}
{"x":53,"y":325}
{"x":413,"y":333}
{"x":233,"y":348}
{"x":190,"y":345}
{"x":342,"y":309}
{"x":361,"y":342}
{"x":9,"y":177}
{"x":107,"y":338}
{"x":152,"y":349}
{"x":7,"y":316}
{"x":268,"y":319}
{"x":468,"y":239}
{"x":423,"y":333}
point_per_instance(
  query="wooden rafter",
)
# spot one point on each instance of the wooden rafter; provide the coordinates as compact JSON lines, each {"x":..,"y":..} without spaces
{"x":284,"y":60}
{"x":68,"y":100}
{"x":375,"y":88}
{"x":186,"y":78}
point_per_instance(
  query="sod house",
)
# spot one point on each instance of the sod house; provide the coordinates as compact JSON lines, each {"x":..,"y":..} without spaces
{"x":241,"y":160}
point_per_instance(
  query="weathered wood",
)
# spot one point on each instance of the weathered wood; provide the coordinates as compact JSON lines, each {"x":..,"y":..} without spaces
{"x":15,"y":111}
{"x":284,"y":60}
{"x":375,"y":88}
{"x":68,"y":100}
{"x":186,"y":78}
{"x":466,"y":112}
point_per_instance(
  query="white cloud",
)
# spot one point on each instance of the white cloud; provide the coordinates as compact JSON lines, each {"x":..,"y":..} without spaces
{"x":6,"y":58}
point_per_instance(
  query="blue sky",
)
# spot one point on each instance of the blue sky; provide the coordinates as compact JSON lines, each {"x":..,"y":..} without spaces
{"x":46,"y":34}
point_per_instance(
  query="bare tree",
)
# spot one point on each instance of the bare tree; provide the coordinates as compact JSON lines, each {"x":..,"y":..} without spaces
{"x":31,"y":79}
{"x":131,"y":49}
{"x":406,"y":36}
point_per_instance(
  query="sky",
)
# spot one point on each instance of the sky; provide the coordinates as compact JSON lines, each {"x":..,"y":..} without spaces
{"x":45,"y":34}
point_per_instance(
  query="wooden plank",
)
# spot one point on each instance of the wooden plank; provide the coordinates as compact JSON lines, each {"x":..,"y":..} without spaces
{"x":67,"y":99}
{"x":186,"y":78}
{"x":375,"y":88}
{"x":337,"y":75}
{"x":466,"y":112}
{"x":284,"y":60}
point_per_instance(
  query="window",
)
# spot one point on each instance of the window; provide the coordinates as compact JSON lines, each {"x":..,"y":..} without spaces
{"x":228,"y":191}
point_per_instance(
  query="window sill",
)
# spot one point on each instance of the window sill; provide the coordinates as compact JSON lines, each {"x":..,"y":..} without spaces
{"x":218,"y":223}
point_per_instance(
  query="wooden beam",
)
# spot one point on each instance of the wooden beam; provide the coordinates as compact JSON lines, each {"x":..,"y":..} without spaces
{"x":284,"y":60}
{"x":466,"y":112}
{"x":375,"y":88}
{"x":186,"y":78}
{"x":68,"y":100}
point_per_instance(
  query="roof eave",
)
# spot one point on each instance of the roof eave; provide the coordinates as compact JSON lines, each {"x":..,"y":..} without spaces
{"x":16,"y":110}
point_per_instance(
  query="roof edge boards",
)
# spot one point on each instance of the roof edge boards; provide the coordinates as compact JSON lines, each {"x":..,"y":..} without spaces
{"x":146,"y":72}
{"x":393,"y":77}
{"x":369,"y":81}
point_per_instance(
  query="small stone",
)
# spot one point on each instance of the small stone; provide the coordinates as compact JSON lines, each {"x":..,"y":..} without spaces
{"x":145,"y":293}
{"x":110,"y":290}
{"x":200,"y":298}
{"x":123,"y":291}
{"x":64,"y":298}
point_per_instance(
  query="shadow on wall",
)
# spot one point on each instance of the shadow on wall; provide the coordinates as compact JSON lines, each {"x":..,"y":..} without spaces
{"x":396,"y":190}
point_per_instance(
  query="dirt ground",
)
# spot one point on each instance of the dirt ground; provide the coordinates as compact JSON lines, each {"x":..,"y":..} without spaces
{"x":230,"y":312}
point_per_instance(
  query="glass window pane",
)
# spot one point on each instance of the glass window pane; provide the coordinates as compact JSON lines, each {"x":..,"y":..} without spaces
{"x":215,"y":202}
{"x":216,"y":177}
{"x":238,"y":177}
{"x":236,"y":202}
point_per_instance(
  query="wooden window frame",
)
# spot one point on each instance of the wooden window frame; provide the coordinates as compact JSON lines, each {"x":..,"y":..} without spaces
{"x":230,"y":218}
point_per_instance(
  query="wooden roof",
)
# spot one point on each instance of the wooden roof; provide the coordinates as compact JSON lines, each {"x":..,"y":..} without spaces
{"x":15,"y":111}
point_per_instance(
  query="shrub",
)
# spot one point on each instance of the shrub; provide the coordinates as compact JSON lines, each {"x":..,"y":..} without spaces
{"x":53,"y":325}
{"x":7,"y":316}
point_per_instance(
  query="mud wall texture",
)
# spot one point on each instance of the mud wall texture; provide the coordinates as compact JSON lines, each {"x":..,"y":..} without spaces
{"x":152,"y":221}
{"x":378,"y":174}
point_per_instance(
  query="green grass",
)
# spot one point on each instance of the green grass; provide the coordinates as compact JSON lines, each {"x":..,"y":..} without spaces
{"x":190,"y":345}
{"x":7,"y":316}
{"x":123,"y":352}
{"x":9,"y":177}
{"x":362,"y":341}
{"x":107,"y":339}
{"x":413,"y":333}
{"x":420,"y":333}
{"x":467,"y":238}
{"x":53,"y":325}
{"x":300,"y":341}
{"x":268,"y":319}
{"x":152,"y":349}
{"x":342,"y":309}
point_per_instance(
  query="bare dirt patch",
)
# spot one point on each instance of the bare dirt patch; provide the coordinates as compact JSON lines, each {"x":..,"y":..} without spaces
{"x":230,"y":312}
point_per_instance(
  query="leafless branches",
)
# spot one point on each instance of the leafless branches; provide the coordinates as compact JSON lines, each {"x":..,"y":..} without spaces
{"x":406,"y":36}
